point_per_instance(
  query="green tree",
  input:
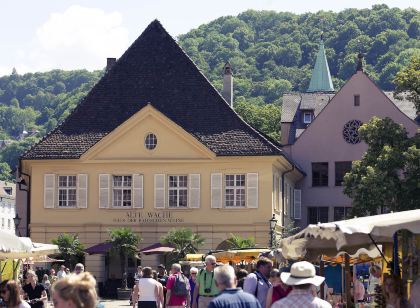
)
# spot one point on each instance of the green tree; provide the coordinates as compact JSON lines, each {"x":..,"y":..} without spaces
{"x":124,"y":245}
{"x":184,"y":240}
{"x":237,"y":242}
{"x":5,"y":172}
{"x":386,"y":178}
{"x":71,"y":250}
{"x":10,"y":154}
{"x":408,"y":80}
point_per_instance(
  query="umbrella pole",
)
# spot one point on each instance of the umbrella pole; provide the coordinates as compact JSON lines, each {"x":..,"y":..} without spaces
{"x":321,"y":273}
{"x":377,"y":247}
{"x":348,"y":279}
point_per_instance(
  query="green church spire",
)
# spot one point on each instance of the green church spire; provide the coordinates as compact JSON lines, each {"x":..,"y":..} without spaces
{"x":321,"y":78}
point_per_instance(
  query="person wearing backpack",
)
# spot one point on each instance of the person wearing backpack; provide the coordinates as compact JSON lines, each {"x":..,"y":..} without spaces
{"x":178,"y":289}
{"x":257,"y":283}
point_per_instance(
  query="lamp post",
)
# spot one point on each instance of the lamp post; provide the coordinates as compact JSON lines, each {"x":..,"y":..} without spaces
{"x":273,"y":222}
{"x":17,"y":220}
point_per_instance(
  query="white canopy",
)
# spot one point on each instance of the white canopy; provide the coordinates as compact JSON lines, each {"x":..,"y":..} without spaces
{"x":348,"y":235}
{"x":11,"y":243}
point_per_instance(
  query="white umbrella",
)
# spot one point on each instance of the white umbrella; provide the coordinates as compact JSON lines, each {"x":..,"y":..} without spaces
{"x":349,"y":235}
{"x":11,"y":243}
{"x":35,"y":250}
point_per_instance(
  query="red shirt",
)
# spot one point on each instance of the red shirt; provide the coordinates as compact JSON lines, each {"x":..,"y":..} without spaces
{"x":176,"y":300}
{"x":279,"y":292}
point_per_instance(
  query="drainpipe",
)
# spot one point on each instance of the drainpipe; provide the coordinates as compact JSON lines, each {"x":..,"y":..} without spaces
{"x":282,"y":189}
{"x":28,"y":199}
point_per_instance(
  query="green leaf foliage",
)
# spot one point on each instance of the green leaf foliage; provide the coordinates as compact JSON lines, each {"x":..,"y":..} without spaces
{"x":408,"y":80}
{"x":71,"y":250}
{"x":387,"y":178}
{"x":184,"y":240}
{"x":237,"y":242}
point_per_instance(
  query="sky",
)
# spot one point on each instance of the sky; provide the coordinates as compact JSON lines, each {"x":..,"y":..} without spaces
{"x":40,"y":35}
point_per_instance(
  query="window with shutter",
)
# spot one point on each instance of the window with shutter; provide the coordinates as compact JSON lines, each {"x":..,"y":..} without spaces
{"x":49,"y":190}
{"x":67,"y":191}
{"x":104,"y":191}
{"x":159,"y":191}
{"x":122,"y":190}
{"x":216,"y":190}
{"x":235,"y":190}
{"x":252,"y":190}
{"x":177,"y":191}
{"x":194,"y":191}
{"x":138,"y":191}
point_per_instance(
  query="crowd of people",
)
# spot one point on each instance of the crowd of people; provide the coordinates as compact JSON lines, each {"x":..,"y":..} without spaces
{"x":221,"y":286}
{"x":214,"y":286}
{"x":66,"y":290}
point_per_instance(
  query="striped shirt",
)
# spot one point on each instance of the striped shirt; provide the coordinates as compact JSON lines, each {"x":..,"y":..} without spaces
{"x":299,"y":299}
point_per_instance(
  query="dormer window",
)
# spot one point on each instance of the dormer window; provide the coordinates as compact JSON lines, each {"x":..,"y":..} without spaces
{"x":307,"y":117}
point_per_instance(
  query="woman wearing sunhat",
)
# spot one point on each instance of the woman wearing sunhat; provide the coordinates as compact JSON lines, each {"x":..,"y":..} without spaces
{"x":301,"y":278}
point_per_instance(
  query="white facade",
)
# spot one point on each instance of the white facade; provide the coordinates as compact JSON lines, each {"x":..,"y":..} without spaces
{"x":7,"y":206}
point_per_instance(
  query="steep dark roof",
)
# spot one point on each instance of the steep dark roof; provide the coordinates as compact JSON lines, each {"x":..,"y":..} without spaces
{"x":154,"y":70}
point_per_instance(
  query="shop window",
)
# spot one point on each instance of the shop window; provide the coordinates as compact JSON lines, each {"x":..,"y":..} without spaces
{"x":122,"y":190}
{"x":341,"y":168}
{"x":319,"y":174}
{"x":178,"y":190}
{"x":317,"y":214}
{"x":67,"y":187}
{"x":235,"y":190}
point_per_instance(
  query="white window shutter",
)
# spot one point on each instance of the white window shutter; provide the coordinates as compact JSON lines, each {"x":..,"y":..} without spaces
{"x":194,"y":192}
{"x":216,"y":190}
{"x":280,"y":197}
{"x":286,"y":199}
{"x":49,"y":190}
{"x":138,"y":191}
{"x":82,"y":191}
{"x":298,"y":204}
{"x":252,"y":190}
{"x":159,"y":191}
{"x":104,"y":191}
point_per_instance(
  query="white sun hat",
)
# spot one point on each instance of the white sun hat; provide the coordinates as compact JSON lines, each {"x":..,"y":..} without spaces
{"x":301,"y":273}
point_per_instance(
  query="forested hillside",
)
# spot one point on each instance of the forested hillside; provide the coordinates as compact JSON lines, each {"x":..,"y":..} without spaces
{"x":271,"y":53}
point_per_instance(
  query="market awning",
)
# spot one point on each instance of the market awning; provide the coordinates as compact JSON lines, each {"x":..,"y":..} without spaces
{"x":156,"y":248}
{"x":246,"y":255}
{"x":99,"y":249}
{"x":348,"y":235}
{"x":199,"y":257}
{"x":11,"y":243}
{"x":36,"y":250}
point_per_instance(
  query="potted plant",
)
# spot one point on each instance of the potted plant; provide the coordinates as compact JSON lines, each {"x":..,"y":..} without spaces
{"x":124,"y":244}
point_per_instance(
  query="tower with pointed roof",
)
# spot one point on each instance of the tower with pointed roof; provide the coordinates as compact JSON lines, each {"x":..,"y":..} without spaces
{"x":321,"y":78}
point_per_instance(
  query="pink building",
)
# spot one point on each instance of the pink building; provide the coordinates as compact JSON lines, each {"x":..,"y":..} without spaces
{"x":319,"y":132}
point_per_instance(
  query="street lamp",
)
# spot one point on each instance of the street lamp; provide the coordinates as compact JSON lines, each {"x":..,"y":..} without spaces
{"x":273,"y":222}
{"x":17,"y":220}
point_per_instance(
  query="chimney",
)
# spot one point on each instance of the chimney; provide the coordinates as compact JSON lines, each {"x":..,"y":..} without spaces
{"x":110,"y":63}
{"x":227,"y":92}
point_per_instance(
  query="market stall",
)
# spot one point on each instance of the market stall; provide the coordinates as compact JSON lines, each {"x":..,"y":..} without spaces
{"x":347,"y":237}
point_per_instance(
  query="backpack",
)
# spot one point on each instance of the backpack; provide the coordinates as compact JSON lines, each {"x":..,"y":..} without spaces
{"x":180,"y":286}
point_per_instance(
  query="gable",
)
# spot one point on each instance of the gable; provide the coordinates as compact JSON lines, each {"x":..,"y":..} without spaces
{"x":154,"y":69}
{"x":326,"y":130}
{"x":127,"y":142}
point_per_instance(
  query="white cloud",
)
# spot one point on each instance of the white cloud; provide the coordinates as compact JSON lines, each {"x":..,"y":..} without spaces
{"x":79,"y":37}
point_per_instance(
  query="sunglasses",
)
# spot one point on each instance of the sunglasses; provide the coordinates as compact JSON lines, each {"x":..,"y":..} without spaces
{"x":214,"y":264}
{"x":193,"y":273}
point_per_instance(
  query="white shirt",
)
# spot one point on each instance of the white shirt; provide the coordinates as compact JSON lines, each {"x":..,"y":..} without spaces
{"x":61,"y":274}
{"x":147,"y":289}
{"x":24,"y":304}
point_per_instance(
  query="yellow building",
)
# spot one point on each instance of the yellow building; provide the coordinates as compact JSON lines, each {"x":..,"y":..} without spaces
{"x":154,"y":146}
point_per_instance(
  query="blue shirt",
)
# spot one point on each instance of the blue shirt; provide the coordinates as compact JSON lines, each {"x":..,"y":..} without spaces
{"x":234,"y":298}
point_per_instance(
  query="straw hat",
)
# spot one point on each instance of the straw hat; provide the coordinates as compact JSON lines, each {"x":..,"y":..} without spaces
{"x":301,"y":273}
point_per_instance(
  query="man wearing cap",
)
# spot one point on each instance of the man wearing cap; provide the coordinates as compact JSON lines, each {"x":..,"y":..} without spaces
{"x":205,"y":284}
{"x":301,"y":278}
